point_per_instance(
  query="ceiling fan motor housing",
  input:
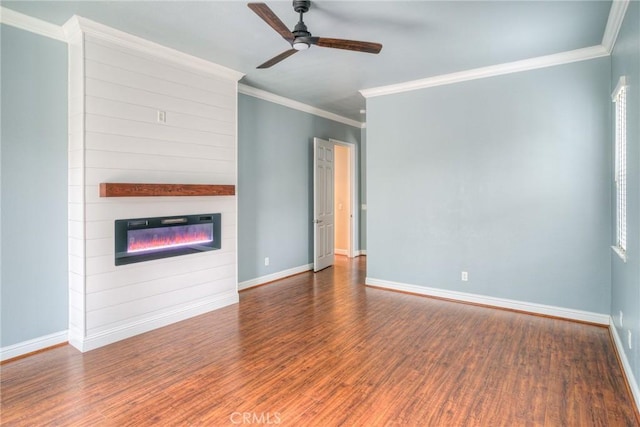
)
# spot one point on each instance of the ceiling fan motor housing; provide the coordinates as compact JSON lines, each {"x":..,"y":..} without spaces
{"x":301,"y":30}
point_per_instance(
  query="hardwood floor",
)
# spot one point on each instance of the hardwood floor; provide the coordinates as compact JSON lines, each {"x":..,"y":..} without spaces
{"x":324,"y":350}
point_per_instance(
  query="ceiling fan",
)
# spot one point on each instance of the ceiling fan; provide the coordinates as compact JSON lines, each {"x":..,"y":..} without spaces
{"x":300,"y":38}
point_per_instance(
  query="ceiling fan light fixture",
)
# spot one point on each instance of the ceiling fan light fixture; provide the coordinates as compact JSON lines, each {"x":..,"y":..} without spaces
{"x":300,"y":45}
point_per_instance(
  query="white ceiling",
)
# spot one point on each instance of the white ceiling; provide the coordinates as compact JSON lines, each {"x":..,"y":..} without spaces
{"x":420,"y":38}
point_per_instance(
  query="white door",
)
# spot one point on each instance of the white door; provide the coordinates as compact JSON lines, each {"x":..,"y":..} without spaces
{"x":323,"y":216}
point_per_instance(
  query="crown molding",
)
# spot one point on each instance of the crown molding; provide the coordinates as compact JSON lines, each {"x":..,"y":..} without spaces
{"x":296,"y":105}
{"x":86,"y":26}
{"x":491,"y":71}
{"x":77,"y":25}
{"x":31,"y":24}
{"x":616,"y":16}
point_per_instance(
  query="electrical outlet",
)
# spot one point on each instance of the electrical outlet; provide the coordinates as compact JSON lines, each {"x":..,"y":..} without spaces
{"x":266,"y":260}
{"x":629,"y":338}
{"x":621,"y":315}
{"x":464,"y":276}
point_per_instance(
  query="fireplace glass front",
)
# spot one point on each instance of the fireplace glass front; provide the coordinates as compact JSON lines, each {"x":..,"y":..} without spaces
{"x":144,"y":239}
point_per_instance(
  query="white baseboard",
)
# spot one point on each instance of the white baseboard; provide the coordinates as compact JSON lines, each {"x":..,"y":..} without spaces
{"x":29,"y":346}
{"x":549,"y":310}
{"x":361,"y":252}
{"x":127,"y":331}
{"x":274,"y":276}
{"x":626,"y":367}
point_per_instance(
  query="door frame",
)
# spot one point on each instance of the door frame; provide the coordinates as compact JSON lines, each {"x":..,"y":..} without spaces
{"x":354,"y":194}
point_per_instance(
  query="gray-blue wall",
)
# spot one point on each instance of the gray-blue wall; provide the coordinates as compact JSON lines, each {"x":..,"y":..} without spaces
{"x":625,"y":297}
{"x":507,"y":178}
{"x":34,"y":186}
{"x":275,"y":184}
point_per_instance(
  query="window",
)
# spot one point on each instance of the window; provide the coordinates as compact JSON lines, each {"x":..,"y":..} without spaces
{"x":620,"y":99}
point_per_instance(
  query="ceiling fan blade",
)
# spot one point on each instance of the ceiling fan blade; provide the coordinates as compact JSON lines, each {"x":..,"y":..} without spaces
{"x":276,"y":59}
{"x":267,"y":15}
{"x":368,"y":47}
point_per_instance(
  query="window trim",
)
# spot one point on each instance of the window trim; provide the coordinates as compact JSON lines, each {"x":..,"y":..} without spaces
{"x":620,"y":166}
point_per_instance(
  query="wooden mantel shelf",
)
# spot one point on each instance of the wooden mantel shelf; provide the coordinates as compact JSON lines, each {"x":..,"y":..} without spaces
{"x":112,"y":189}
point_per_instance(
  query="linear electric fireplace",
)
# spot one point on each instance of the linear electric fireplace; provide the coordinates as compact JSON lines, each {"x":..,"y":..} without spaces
{"x":145,"y":239}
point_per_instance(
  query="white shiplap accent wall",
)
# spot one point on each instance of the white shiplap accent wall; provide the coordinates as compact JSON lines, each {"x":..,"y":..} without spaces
{"x":119,"y":139}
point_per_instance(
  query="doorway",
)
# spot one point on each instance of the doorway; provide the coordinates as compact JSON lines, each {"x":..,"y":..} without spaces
{"x":345,"y":200}
{"x":325,"y":203}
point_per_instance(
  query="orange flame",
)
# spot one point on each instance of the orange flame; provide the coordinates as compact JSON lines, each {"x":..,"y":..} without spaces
{"x":168,"y":241}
